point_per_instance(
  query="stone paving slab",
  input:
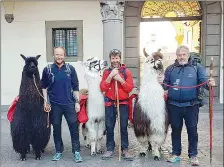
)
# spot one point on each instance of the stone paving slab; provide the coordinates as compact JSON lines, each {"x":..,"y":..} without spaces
{"x":10,"y":159}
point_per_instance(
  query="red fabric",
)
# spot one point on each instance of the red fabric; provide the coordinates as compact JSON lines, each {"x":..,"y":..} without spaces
{"x":165,"y":95}
{"x":82,"y":115}
{"x":130,"y":107}
{"x":11,"y":109}
{"x":108,"y":89}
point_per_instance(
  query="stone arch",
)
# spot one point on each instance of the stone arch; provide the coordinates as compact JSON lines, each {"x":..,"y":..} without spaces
{"x":210,"y":37}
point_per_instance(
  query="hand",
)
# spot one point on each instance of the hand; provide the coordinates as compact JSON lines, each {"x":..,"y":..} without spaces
{"x":160,"y":78}
{"x":77,"y":107}
{"x":114,"y":72}
{"x":118,"y":78}
{"x":211,"y":82}
{"x":47,"y":107}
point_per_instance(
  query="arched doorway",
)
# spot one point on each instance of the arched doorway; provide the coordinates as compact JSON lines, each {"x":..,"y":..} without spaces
{"x":209,"y":17}
{"x":166,"y":25}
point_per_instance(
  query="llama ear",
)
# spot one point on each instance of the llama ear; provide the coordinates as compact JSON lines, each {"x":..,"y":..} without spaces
{"x":23,"y":56}
{"x":145,"y":53}
{"x":38,"y":56}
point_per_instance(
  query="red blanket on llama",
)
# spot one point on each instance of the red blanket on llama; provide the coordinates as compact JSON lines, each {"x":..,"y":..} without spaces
{"x":82,"y":116}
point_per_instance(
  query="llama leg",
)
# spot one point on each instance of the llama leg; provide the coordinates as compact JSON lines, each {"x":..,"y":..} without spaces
{"x":156,"y":142}
{"x":101,"y":129}
{"x":19,"y":137}
{"x":38,"y":154}
{"x":143,"y":140}
{"x":23,"y":154}
{"x":92,"y":135}
{"x":149,"y":146}
{"x":87,"y":145}
{"x":85,"y":136}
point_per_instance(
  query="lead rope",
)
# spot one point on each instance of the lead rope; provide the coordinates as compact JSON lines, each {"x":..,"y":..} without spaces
{"x":48,"y":120}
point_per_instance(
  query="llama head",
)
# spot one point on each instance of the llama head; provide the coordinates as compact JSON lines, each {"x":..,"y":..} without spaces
{"x":31,"y":65}
{"x":154,"y":61}
{"x":95,"y":65}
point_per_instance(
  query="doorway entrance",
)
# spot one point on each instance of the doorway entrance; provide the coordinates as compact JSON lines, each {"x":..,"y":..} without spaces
{"x":166,"y":25}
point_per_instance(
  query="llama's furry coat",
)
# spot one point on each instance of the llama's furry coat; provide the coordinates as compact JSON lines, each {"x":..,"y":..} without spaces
{"x":93,"y":129}
{"x":29,"y":125}
{"x":150,"y":117}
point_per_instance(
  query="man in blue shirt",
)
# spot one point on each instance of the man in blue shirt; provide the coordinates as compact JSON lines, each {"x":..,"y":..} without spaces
{"x":60,"y":84}
{"x":184,"y":103}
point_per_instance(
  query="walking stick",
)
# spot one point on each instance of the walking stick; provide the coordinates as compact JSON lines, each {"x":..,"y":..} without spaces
{"x":211,"y":108}
{"x":118,"y":117}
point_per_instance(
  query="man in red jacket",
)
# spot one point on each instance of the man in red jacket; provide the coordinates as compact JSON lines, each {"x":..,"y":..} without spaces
{"x":117,"y":72}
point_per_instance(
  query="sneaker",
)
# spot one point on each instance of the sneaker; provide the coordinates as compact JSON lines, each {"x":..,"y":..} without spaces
{"x":127,"y":156}
{"x":107,"y":155}
{"x":57,"y":156}
{"x":194,"y":161}
{"x":173,"y":159}
{"x":77,"y":157}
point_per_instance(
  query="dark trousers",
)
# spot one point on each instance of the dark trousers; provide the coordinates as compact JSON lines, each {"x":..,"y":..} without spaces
{"x":71,"y":117}
{"x":110,"y":115}
{"x":190,"y":116}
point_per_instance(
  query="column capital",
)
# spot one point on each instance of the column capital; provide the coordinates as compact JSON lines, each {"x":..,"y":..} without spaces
{"x":112,"y":11}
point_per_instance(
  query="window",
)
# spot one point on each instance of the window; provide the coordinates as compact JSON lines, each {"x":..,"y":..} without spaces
{"x":67,"y":34}
{"x":159,"y":9}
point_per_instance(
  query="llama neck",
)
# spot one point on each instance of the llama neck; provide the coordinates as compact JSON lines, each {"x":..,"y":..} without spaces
{"x":149,"y":76}
{"x":93,"y":81}
{"x":27,"y":87}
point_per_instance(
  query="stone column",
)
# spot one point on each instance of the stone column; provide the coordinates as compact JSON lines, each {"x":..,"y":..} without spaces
{"x":112,"y":18}
{"x":0,"y":56}
{"x":222,"y":52}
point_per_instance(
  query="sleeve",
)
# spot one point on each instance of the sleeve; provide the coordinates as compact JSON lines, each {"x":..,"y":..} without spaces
{"x":201,"y":75}
{"x":129,"y":83}
{"x":104,"y":86}
{"x":74,"y":79}
{"x":44,"y":79}
{"x":167,"y":78}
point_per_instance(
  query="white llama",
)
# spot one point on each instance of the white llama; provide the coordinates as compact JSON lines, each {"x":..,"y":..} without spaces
{"x":150,"y":117}
{"x":93,"y":130}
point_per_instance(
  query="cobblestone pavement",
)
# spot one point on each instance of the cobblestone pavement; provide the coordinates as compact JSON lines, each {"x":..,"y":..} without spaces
{"x":10,"y":159}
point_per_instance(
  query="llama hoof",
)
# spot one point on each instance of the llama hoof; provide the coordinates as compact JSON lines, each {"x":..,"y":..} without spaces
{"x":99,"y":152}
{"x":156,"y":158}
{"x":87,"y":146}
{"x":142,"y":154}
{"x":38,"y":158}
{"x":93,"y":154}
{"x":149,"y":148}
{"x":23,"y":157}
{"x":38,"y":155}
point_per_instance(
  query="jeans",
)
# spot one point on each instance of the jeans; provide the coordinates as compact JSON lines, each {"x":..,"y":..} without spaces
{"x":71,"y":117}
{"x":190,"y":116}
{"x":110,"y":116}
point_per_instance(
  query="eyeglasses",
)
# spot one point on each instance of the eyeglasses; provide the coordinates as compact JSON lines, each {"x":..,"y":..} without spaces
{"x":114,"y":52}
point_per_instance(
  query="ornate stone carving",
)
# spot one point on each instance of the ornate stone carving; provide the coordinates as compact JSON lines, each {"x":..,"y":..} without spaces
{"x":112,"y":10}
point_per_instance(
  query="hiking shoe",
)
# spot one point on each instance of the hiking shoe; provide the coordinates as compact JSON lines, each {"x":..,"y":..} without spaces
{"x":127,"y":156}
{"x":57,"y":156}
{"x":77,"y":157}
{"x":107,"y":155}
{"x":173,"y":159}
{"x":194,"y":161}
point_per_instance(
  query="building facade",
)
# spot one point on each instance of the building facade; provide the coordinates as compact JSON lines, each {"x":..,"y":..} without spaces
{"x":91,"y":28}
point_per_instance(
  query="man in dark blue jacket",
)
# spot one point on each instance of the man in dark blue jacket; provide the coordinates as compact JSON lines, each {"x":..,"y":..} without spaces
{"x":183,"y":103}
{"x":60,"y":83}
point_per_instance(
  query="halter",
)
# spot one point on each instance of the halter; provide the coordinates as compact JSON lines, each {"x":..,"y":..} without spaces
{"x":94,"y":66}
{"x":154,"y":62}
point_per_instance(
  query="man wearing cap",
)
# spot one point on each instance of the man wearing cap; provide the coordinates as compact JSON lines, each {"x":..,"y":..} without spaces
{"x":123,"y":76}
